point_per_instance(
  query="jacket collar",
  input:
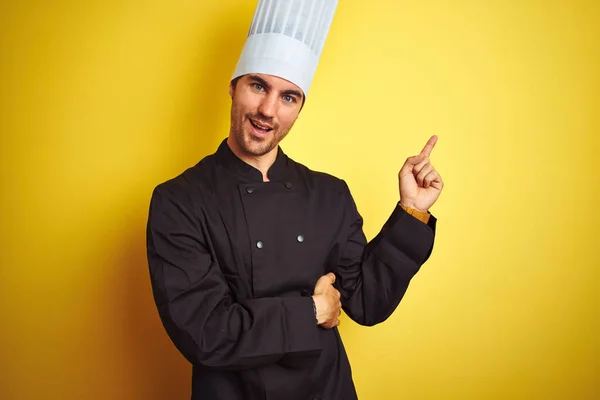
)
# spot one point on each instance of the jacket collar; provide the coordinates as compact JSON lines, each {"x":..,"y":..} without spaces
{"x":279,"y":171}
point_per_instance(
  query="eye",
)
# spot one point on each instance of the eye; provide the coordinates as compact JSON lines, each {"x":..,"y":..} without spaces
{"x":258,"y":87}
{"x":289,"y":99}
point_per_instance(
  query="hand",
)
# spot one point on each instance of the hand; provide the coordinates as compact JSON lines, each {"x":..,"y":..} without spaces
{"x":420,"y":184}
{"x":327,"y":302}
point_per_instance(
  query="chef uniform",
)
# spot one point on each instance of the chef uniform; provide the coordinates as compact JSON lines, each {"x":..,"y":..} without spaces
{"x":233,"y":260}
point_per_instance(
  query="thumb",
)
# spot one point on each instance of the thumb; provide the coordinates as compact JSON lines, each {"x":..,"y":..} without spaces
{"x":331,"y":277}
{"x":324,"y":281}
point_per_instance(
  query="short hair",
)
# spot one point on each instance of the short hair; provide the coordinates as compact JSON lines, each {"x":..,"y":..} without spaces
{"x":235,"y":81}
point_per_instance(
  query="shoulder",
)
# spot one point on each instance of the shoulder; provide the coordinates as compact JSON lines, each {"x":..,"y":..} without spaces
{"x":318,"y":179}
{"x":186,"y":185}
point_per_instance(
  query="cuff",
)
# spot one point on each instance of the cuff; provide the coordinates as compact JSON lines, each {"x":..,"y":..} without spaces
{"x":421,"y":216}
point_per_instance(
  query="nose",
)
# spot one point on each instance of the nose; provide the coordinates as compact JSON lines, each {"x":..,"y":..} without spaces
{"x":268,"y":106}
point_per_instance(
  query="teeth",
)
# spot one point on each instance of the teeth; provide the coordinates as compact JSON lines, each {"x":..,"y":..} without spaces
{"x":264,"y":128}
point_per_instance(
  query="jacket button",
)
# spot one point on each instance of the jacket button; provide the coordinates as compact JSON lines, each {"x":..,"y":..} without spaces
{"x":259,"y":244}
{"x":288,"y":185}
{"x":250,"y":190}
{"x":300,"y":238}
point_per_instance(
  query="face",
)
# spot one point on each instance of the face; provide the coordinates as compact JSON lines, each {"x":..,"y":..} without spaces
{"x":263,"y":110}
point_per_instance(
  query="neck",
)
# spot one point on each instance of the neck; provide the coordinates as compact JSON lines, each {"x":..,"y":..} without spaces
{"x":261,"y":163}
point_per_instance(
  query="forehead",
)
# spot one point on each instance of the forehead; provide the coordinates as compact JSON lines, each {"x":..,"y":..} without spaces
{"x":274,"y":82}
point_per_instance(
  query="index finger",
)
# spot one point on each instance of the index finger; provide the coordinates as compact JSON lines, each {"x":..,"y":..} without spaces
{"x":429,"y":146}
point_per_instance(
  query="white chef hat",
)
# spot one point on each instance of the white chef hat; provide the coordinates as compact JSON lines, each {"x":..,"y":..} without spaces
{"x":286,"y":39}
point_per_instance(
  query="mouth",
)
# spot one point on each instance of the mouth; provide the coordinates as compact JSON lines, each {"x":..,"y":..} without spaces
{"x":259,"y":128}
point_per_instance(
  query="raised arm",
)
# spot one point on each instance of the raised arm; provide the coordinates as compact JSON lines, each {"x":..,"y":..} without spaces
{"x":373,"y":277}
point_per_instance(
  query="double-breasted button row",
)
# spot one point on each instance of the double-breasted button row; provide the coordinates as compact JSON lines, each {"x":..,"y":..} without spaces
{"x":260,"y":244}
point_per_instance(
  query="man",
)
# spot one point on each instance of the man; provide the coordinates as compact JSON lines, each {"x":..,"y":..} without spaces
{"x":252,"y":256}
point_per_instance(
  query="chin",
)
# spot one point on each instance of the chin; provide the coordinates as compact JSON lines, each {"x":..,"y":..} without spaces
{"x":257,"y":147}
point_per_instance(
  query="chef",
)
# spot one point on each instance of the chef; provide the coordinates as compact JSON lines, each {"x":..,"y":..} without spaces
{"x":253,"y":255}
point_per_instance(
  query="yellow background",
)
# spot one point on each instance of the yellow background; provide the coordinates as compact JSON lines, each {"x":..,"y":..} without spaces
{"x":102,"y":100}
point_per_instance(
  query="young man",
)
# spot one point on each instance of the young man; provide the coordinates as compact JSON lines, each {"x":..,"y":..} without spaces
{"x":252,"y":256}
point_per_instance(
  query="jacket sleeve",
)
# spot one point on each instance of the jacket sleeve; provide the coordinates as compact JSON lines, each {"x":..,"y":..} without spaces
{"x":201,"y":316}
{"x":373,"y":277}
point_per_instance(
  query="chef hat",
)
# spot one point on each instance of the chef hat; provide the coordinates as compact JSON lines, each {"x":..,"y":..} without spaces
{"x":286,"y":39}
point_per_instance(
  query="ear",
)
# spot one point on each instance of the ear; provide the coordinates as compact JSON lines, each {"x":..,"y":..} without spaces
{"x":231,"y":89}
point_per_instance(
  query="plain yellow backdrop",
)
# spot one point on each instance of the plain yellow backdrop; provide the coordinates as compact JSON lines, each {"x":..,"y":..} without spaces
{"x":102,"y":100}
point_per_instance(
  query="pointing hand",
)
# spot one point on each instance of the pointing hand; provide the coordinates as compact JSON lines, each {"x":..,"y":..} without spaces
{"x":420,"y":184}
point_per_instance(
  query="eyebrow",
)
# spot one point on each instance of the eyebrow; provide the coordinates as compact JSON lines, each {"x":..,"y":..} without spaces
{"x":264,"y":83}
{"x":260,"y":80}
{"x":293,"y":93}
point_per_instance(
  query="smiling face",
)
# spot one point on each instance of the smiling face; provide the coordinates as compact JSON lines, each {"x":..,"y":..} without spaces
{"x":263,"y":110}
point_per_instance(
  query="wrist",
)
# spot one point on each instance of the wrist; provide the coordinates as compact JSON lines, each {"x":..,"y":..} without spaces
{"x":409,"y":206}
